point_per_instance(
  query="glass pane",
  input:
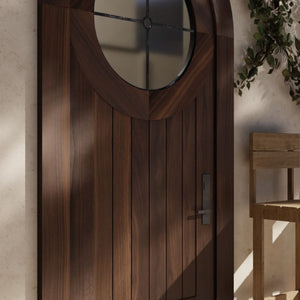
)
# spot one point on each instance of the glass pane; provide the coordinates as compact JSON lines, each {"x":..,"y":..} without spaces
{"x":169,"y":55}
{"x":123,"y":44}
{"x":171,"y":12}
{"x":124,"y":8}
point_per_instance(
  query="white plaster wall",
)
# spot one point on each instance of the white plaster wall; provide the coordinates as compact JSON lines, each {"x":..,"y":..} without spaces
{"x":266,"y":107}
{"x":18,"y":86}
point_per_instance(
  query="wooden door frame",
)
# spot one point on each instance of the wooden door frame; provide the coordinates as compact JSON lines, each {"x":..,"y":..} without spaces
{"x":224,"y":141}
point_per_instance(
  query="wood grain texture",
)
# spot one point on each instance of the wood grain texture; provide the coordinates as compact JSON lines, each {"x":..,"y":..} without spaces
{"x":224,"y":168}
{"x":140,"y":209}
{"x":252,"y":190}
{"x":287,"y":211}
{"x":258,"y":255}
{"x":252,"y":180}
{"x":54,"y":204}
{"x":291,"y":184}
{"x":274,"y":141}
{"x":86,"y":5}
{"x":61,"y":3}
{"x":103,"y":199}
{"x":121,"y":206}
{"x":223,"y":18}
{"x":291,"y":295}
{"x":135,"y":182}
{"x":167,"y":102}
{"x":204,"y":16}
{"x":82,"y":190}
{"x":272,"y":160}
{"x":205,"y":152}
{"x":111,"y":87}
{"x":297,"y":239}
{"x":141,"y":104}
{"x":158,"y":220}
{"x":189,"y":201}
{"x":174,"y":207}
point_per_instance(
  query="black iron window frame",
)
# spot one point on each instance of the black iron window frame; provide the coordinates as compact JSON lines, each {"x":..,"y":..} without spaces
{"x":148,"y":27}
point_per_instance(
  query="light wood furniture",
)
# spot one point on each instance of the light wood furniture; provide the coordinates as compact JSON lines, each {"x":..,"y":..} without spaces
{"x":270,"y":151}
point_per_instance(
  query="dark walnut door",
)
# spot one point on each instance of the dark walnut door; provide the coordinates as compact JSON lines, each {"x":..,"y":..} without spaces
{"x":136,"y":152}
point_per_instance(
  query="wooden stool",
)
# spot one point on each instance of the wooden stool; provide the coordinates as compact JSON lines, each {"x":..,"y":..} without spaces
{"x":268,"y":151}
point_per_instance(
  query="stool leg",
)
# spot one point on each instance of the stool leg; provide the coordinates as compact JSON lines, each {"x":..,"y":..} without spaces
{"x":258,"y":256}
{"x":298,"y":256}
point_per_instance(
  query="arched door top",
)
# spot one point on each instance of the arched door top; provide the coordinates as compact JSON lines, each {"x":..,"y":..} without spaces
{"x":212,"y":18}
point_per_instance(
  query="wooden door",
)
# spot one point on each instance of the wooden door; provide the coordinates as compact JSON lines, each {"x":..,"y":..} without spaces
{"x":124,"y":172}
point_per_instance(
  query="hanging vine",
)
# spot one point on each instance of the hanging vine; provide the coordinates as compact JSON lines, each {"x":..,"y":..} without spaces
{"x":274,"y":20}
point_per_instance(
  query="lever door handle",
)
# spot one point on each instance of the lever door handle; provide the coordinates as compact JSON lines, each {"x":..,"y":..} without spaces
{"x":203,"y":212}
{"x":206,"y":199}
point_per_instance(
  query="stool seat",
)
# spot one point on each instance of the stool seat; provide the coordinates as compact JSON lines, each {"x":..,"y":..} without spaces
{"x":288,"y":211}
{"x":293,"y":295}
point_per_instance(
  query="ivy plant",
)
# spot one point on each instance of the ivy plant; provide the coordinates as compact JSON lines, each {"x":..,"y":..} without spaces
{"x":273,"y":18}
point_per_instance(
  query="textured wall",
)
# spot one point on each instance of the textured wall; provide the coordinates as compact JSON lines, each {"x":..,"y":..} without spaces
{"x":18,"y":57}
{"x":265,"y":108}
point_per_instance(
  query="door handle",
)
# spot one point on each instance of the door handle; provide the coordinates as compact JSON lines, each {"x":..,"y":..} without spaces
{"x":206,"y":211}
{"x":203,"y":212}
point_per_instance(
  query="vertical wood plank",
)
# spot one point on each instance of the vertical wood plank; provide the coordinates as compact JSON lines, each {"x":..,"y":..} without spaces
{"x":63,"y":3}
{"x":258,"y":255}
{"x":189,"y":201}
{"x":206,"y":165}
{"x":103,"y":199}
{"x":252,"y":178}
{"x":82,"y":190}
{"x":121,"y":206}
{"x":291,"y":184}
{"x":252,"y":187}
{"x":158,"y":210}
{"x":174,"y":207}
{"x":298,"y":255}
{"x":140,"y":209}
{"x":54,"y":154}
{"x":225,"y":163}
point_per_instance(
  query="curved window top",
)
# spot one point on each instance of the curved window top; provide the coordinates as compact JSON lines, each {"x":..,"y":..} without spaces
{"x":148,"y":43}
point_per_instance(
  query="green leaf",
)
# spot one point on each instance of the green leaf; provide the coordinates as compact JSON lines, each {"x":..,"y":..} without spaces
{"x":250,"y":52}
{"x":297,"y":44}
{"x":252,"y":72}
{"x":257,"y":36}
{"x":261,"y":28}
{"x":286,"y":73}
{"x":242,"y":76}
{"x":272,"y":40}
{"x":271,"y":60}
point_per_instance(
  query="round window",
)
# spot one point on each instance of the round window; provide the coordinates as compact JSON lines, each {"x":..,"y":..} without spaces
{"x":148,"y":43}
